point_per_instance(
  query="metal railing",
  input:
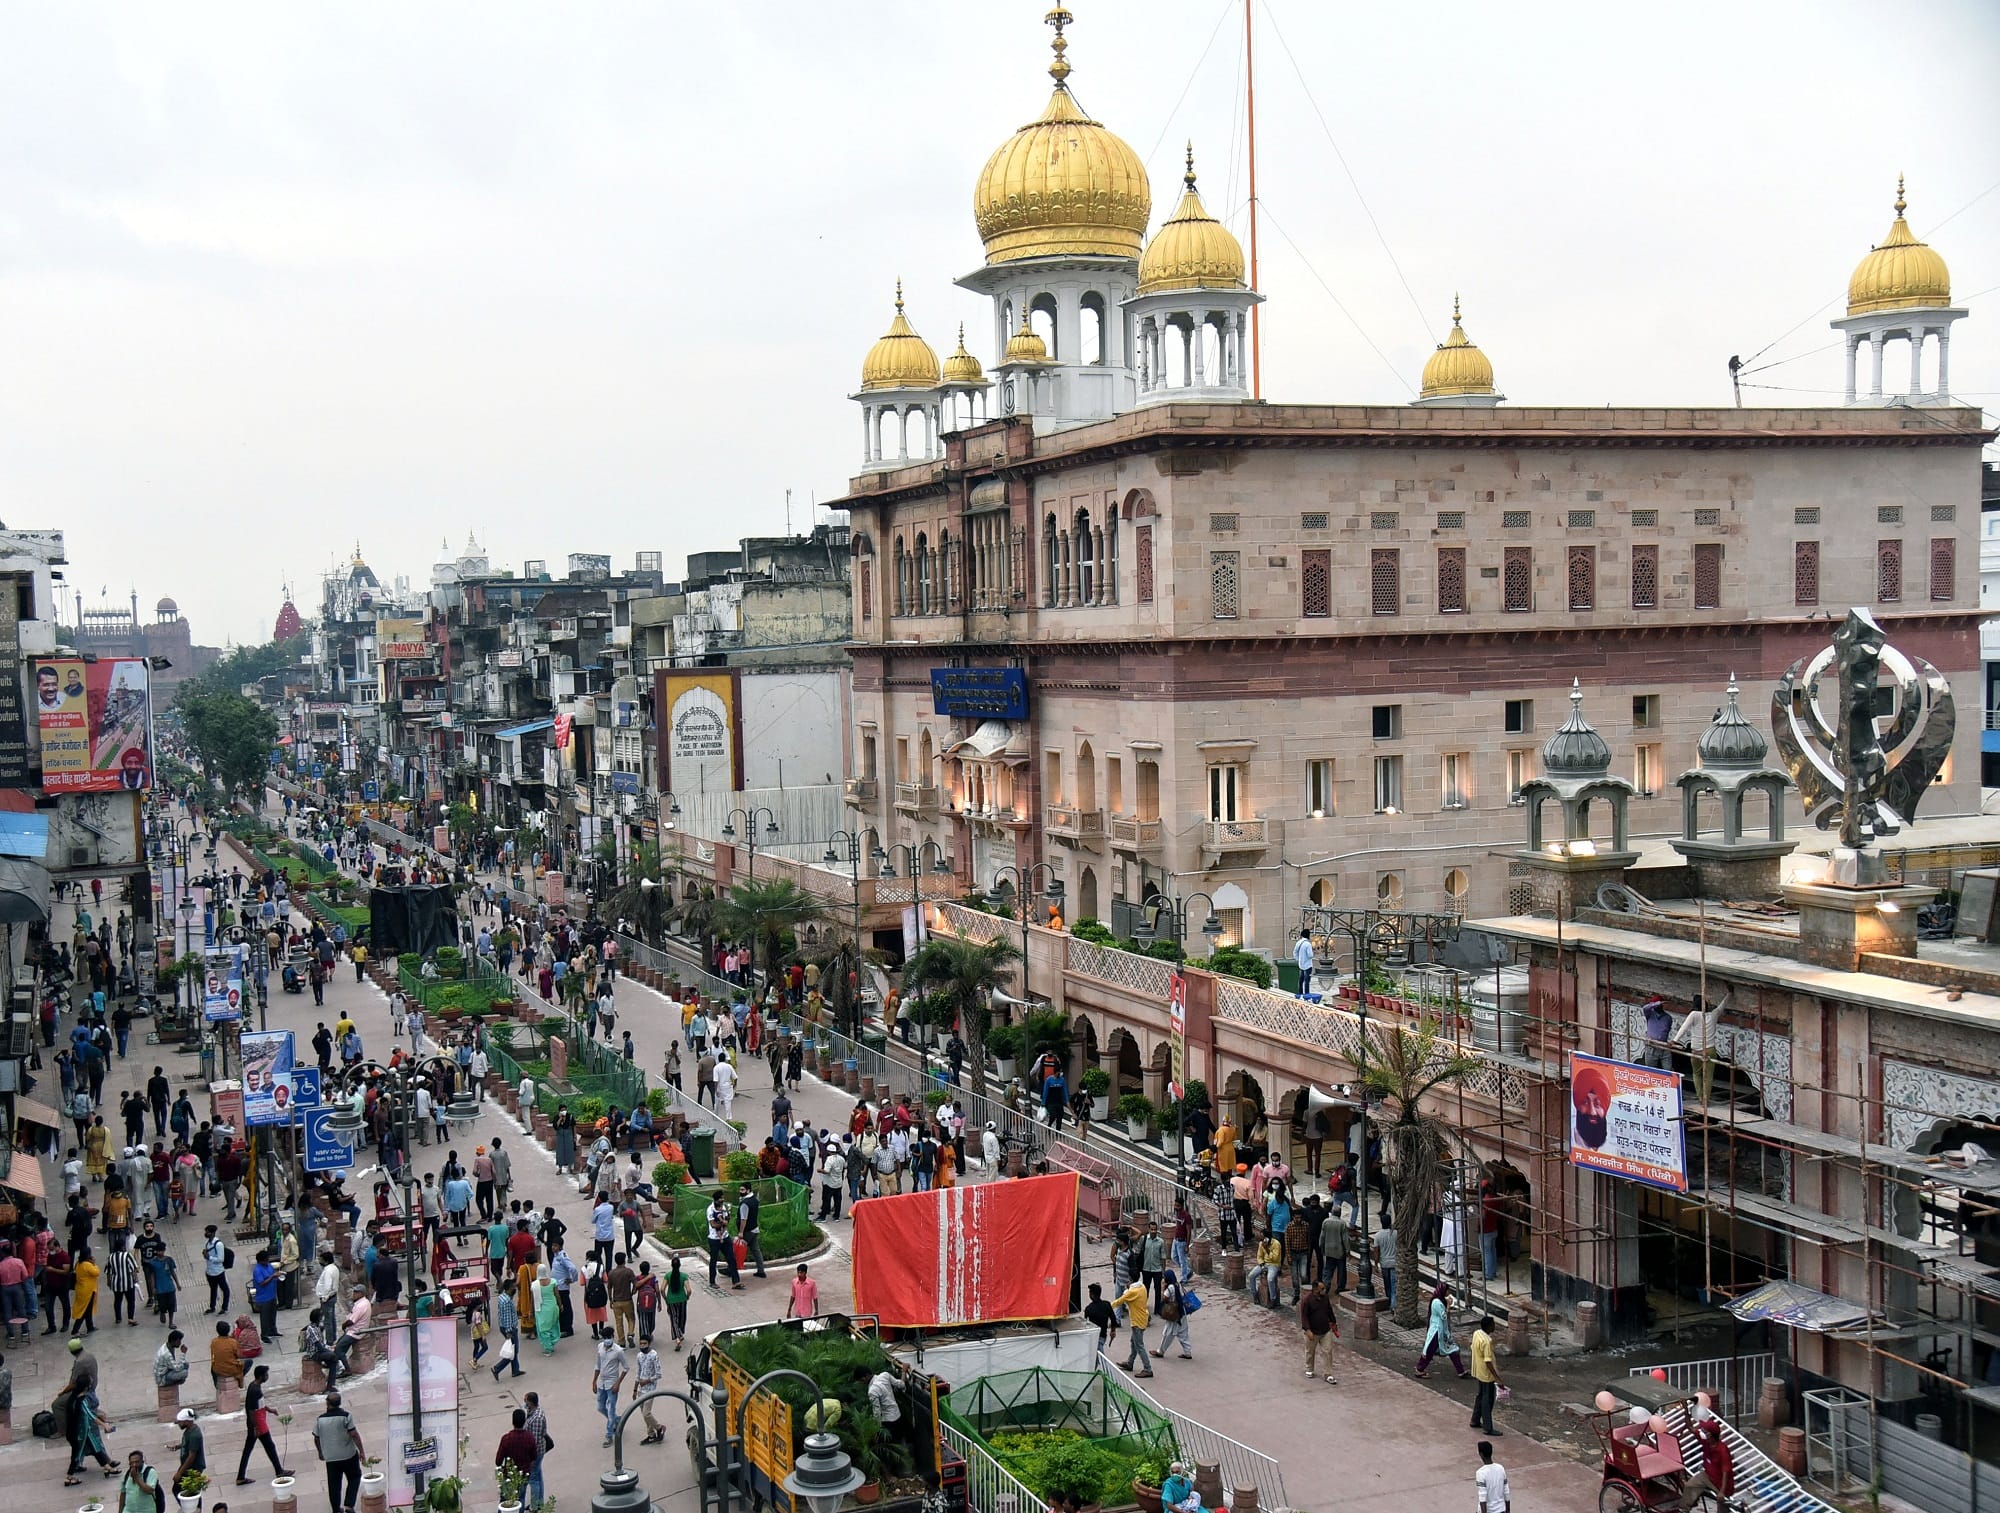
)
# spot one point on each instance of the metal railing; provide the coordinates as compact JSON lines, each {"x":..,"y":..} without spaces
{"x":681,"y":968}
{"x":1734,"y":1379}
{"x":1239,"y":1465}
{"x":989,"y":1486}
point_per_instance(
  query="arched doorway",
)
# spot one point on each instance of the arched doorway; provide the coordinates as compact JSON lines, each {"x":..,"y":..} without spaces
{"x":1243,"y":1104}
{"x":1128,"y":1069}
{"x":1086,"y":901}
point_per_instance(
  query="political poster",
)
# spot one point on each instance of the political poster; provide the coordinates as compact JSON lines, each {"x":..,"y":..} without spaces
{"x":1177,"y":1034}
{"x":96,"y":724}
{"x":436,"y":1451}
{"x":1625,"y":1121}
{"x":222,"y":985}
{"x":437,"y":1365}
{"x":267,"y":1077}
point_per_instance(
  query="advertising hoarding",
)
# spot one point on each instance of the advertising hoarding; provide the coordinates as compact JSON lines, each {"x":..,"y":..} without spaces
{"x":268,"y":1058}
{"x":222,"y":985}
{"x":1625,"y":1121}
{"x":16,"y":771}
{"x":96,"y":724}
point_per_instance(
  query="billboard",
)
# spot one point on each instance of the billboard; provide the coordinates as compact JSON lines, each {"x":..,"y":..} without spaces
{"x":96,"y":723}
{"x":988,"y":1253}
{"x":401,"y":641}
{"x":16,"y":771}
{"x":222,"y":984}
{"x":700,"y":731}
{"x":268,"y":1059}
{"x":1625,"y":1121}
{"x":980,"y":693}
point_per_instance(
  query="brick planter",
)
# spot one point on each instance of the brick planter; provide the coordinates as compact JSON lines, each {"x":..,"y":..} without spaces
{"x":545,"y":1129}
{"x":1232,"y":1270}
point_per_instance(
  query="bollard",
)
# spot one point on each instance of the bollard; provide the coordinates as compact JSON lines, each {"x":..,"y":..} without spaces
{"x":1792,"y":1450}
{"x":1586,"y":1326}
{"x":1232,"y":1270}
{"x":1515,"y":1332}
{"x":1201,"y":1257}
{"x":1367,"y":1316}
{"x":1245,"y":1500}
{"x":1774,"y":1408}
{"x":1208,"y":1483}
{"x":312,"y":1379}
{"x":374,"y":1492}
{"x":229,"y":1397}
{"x":284,"y":1495}
{"x":169,"y":1403}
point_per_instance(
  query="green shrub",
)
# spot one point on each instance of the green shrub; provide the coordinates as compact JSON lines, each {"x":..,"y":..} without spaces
{"x":1136,"y":1108}
{"x":1096,"y":1081}
{"x":739,"y":1166}
{"x":936,"y":1099}
{"x":589,"y":1109}
{"x":501,"y":1035}
{"x":1095,"y":931}
{"x":410,"y":961}
{"x":1231,"y":961}
{"x":450,"y":962}
{"x":656,"y":1102}
{"x":1045,"y":1030}
{"x":1004,"y":1041}
{"x":668,"y":1175}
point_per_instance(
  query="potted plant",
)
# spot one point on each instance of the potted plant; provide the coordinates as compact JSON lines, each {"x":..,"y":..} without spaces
{"x":513,"y":1482}
{"x":1004,"y":1042}
{"x":1147,"y":1482}
{"x":444,"y":1493}
{"x":1136,"y":1109}
{"x":189,"y":1486}
{"x":1097,"y":1084}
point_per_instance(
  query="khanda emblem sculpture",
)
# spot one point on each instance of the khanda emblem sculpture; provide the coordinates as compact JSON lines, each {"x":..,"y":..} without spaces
{"x":1868,"y":767}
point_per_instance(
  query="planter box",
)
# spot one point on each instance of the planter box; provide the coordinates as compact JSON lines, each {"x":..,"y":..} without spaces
{"x":1005,"y":1067}
{"x":1100,"y":1109}
{"x":1138,"y":1129}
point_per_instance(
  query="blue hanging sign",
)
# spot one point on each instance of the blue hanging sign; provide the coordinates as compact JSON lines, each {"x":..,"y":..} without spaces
{"x":980,"y":693}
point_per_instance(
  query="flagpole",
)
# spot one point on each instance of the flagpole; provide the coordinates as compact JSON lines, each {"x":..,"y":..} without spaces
{"x":1250,"y":99}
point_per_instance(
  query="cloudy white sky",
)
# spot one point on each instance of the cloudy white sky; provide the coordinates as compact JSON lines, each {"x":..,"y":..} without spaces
{"x":275,"y":279}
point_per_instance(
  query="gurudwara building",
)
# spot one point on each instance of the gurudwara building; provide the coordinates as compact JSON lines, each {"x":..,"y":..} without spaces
{"x":1114,"y":615}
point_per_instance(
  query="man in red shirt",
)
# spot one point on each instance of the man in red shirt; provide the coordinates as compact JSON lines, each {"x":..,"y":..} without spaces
{"x":520,"y":1247}
{"x":518,"y":1445}
{"x":1718,"y":1466}
{"x":805,"y":1296}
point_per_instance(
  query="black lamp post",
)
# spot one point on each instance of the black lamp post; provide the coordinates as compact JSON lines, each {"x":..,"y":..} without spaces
{"x":1148,"y":929}
{"x":750,"y":818}
{"x":1024,"y":879}
{"x":399,"y":1087}
{"x":851,"y":841}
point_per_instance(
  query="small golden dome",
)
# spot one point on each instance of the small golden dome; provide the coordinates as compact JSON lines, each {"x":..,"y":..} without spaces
{"x":1025,"y":345}
{"x":1062,"y":185}
{"x":1900,"y":274}
{"x":1192,"y":250}
{"x":1457,"y":367}
{"x":962,"y":367}
{"x":901,"y":359}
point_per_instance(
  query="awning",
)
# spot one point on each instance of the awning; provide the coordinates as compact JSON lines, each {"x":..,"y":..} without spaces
{"x":36,"y":1112}
{"x":989,"y":740}
{"x":24,"y":1176}
{"x":1799,"y":1307}
{"x":513,"y":731}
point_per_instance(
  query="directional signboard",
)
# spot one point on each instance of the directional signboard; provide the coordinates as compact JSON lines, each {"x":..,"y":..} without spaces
{"x":325,"y":1151}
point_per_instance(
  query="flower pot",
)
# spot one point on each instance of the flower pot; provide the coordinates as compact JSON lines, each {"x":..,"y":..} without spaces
{"x":1137,"y":1128}
{"x":188,"y":1504}
{"x":868,"y":1492}
{"x":1100,"y":1108}
{"x":1005,"y":1067}
{"x":510,"y":1507}
{"x":1148,"y":1498}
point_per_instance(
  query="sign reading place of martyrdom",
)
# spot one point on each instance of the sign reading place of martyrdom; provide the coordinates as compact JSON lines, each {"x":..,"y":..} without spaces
{"x":700,"y":735}
{"x":980,"y":693}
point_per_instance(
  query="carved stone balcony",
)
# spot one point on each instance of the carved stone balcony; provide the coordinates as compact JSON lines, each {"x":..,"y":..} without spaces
{"x":1134,"y":837}
{"x":1074,"y":826}
{"x":918,"y":800}
{"x":1226,"y":837}
{"x":858,"y":792}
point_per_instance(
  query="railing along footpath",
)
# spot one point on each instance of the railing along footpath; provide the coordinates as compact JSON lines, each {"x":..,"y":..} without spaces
{"x":989,"y":1486}
{"x":1734,"y":1379}
{"x":1238,"y":1464}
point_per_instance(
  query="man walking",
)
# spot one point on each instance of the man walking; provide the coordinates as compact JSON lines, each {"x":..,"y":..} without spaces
{"x":213,"y":1253}
{"x":646,"y":1378}
{"x":507,"y":1323}
{"x":337,"y":1442}
{"x":257,"y":1426}
{"x":1133,"y":1301}
{"x":747,"y":1222}
{"x":503,"y":1174}
{"x":721,"y":1247}
{"x":1490,"y":1481}
{"x":605,"y":1379}
{"x":1317,"y":1323}
{"x":1485,"y":1376}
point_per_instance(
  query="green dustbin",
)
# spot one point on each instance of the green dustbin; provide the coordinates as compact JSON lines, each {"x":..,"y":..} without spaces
{"x":1288,"y":977}
{"x":701,"y":1154}
{"x":876,"y":1040}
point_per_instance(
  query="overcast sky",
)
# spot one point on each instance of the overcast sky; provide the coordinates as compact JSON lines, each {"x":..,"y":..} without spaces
{"x":275,"y":279}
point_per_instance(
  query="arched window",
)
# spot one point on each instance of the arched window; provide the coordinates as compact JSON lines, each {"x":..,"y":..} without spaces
{"x":1050,"y":564}
{"x":923,"y":574}
{"x":1094,"y":337}
{"x":902,"y":579}
{"x":1042,"y":320}
{"x":1086,"y":559}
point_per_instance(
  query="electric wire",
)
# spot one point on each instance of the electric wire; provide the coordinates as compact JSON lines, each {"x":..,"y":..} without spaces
{"x":1167,"y":125}
{"x":1359,"y":329}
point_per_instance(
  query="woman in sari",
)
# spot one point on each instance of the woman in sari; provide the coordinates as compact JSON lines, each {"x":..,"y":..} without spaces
{"x":546,"y":1320}
{"x":96,"y":1148}
{"x":946,"y":1164}
{"x":442,"y":1260}
{"x":524,"y":1293}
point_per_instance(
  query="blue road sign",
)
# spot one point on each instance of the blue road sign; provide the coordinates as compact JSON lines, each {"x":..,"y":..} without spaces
{"x":325,"y":1151}
{"x":305,"y":1087}
{"x":371,"y":790}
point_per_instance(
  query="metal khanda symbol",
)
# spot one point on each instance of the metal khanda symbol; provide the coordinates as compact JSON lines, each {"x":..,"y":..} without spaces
{"x":1871,"y":775}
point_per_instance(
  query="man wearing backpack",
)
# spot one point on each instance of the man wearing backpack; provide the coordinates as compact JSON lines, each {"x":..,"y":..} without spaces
{"x":1333,"y":1250}
{"x":140,"y":1486}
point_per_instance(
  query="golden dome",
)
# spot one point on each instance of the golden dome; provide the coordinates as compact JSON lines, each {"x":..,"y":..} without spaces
{"x":962,"y":367}
{"x":1457,"y":367}
{"x":1900,"y":274}
{"x":1062,"y":185}
{"x":901,"y":359}
{"x":1025,"y":345}
{"x":1192,"y":250}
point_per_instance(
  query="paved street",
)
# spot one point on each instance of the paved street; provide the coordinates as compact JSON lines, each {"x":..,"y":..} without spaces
{"x":1378,"y":1440}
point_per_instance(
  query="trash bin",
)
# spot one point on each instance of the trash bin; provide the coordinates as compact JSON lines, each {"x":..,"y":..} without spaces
{"x":701,"y":1154}
{"x":1288,"y":977}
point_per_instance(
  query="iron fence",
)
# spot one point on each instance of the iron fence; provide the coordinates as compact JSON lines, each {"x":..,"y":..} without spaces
{"x":1734,"y":1379}
{"x":989,"y":1486}
{"x":1239,"y":1465}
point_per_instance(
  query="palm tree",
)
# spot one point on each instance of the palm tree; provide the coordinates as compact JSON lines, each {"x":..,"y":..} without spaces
{"x":1408,"y":1067}
{"x":640,"y":899}
{"x":964,"y":973}
{"x":765,"y":911}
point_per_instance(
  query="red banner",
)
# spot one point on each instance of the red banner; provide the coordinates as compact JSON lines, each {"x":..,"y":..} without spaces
{"x":984,"y":1254}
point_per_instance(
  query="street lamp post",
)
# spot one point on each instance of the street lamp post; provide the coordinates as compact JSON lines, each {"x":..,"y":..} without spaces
{"x":852,"y":841}
{"x":1025,"y":894}
{"x":399,"y":1087}
{"x":750,"y":817}
{"x":1211,"y":929}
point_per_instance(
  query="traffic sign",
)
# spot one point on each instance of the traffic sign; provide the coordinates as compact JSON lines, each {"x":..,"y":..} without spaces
{"x":305,"y":1087}
{"x":325,"y":1151}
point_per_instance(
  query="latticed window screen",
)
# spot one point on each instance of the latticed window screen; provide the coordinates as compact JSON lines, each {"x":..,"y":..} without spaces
{"x":1707,"y":574}
{"x":1889,"y":571}
{"x":1516,"y":520}
{"x":1145,"y":567}
{"x":1451,"y":520}
{"x":1645,"y":577}
{"x":1943,"y":514}
{"x":1944,"y":568}
{"x":1578,"y":519}
{"x":1222,"y":581}
{"x":1517,"y":579}
{"x":1646,"y":519}
{"x":1382,"y":520}
{"x":867,"y":589}
{"x":1806,"y":514}
{"x":1708,"y":517}
{"x":1226,"y":521}
{"x":1314,"y":520}
{"x":1520,"y":897}
{"x":1888,"y":514}
{"x":1583,"y":577}
{"x":1316,"y":583}
{"x":1805,"y":573}
{"x":1385,"y":580}
{"x":1451,"y":580}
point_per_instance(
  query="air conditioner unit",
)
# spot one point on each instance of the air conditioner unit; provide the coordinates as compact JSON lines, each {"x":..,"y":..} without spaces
{"x":15,"y":1038}
{"x":79,"y":856}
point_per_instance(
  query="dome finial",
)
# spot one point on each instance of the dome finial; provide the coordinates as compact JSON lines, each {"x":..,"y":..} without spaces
{"x":1454,"y":308}
{"x":899,"y":296}
{"x":1189,"y":179}
{"x":1900,"y":206}
{"x":1059,"y":69}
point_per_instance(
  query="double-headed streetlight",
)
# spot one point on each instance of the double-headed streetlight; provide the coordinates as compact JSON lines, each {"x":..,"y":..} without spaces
{"x":850,"y":841}
{"x":1148,"y":930}
{"x":750,"y":818}
{"x":1025,"y":894}
{"x":818,"y":1482}
{"x":399,"y":1086}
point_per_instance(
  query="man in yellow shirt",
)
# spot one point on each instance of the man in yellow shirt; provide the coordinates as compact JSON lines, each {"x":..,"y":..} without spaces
{"x":1485,"y":1375}
{"x":360,"y":954}
{"x":342,"y":1028}
{"x":1133,"y":1301}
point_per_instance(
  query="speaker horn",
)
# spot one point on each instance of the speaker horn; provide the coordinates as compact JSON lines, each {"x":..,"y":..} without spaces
{"x":1316,"y":1101}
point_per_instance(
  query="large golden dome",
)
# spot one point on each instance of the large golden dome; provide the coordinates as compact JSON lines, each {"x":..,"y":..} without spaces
{"x":1062,"y":185}
{"x":901,"y":359}
{"x":962,"y":367}
{"x":1900,"y":274}
{"x":1457,"y":367}
{"x":1192,"y":250}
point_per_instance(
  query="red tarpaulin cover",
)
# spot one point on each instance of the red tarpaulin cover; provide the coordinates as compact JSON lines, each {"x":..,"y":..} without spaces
{"x":967,"y":1255}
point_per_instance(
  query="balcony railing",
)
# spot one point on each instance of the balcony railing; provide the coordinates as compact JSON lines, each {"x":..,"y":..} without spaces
{"x":858,"y":791}
{"x":1235,"y":835}
{"x":1993,"y":719}
{"x":1134,"y":835}
{"x":917,"y":799}
{"x":1071,"y":823}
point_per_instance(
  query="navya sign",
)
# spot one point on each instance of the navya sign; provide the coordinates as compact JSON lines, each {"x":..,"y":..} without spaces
{"x":980,"y":693}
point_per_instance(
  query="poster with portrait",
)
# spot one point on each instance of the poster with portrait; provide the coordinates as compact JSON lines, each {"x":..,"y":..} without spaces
{"x":1625,"y":1121}
{"x":96,"y":724}
{"x":222,"y":984}
{"x":268,"y":1059}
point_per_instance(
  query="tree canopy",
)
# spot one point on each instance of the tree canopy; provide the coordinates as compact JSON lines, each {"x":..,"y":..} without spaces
{"x":964,"y":973}
{"x":246,"y":664}
{"x":231,"y":736}
{"x":766,"y":911}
